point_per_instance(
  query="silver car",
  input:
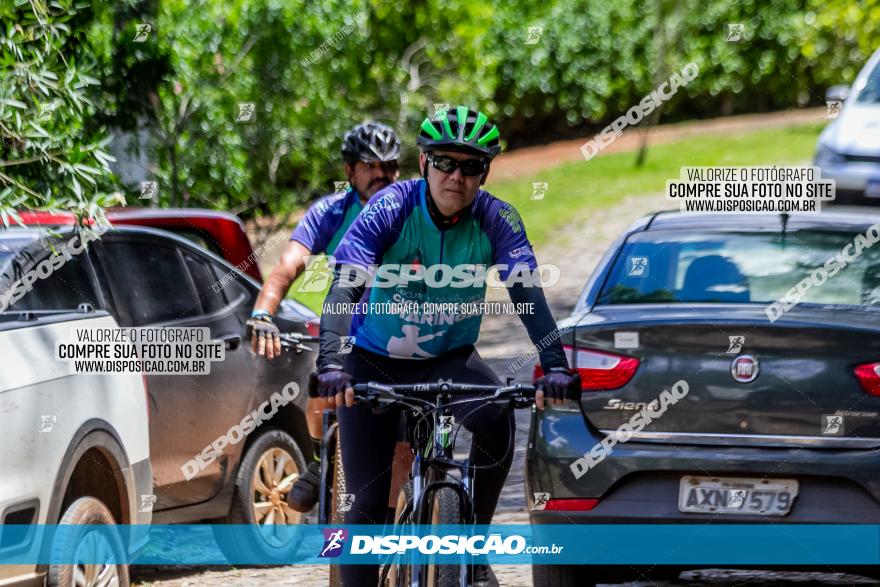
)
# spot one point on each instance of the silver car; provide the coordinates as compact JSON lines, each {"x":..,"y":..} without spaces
{"x":849,"y":148}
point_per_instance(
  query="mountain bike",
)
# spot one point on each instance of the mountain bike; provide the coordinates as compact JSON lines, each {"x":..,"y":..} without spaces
{"x":440,"y":489}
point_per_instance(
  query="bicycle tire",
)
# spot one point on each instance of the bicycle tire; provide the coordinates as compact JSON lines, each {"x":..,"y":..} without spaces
{"x":445,"y":510}
{"x":399,"y":572}
{"x":336,"y":517}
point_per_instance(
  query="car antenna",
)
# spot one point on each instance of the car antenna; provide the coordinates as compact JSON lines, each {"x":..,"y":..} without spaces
{"x":784,"y":217}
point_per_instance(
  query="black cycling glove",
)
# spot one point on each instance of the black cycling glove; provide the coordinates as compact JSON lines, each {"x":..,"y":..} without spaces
{"x":560,"y":384}
{"x":332,"y":381}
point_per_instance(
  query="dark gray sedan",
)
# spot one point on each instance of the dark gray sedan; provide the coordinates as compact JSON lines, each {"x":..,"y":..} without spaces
{"x":730,"y":367}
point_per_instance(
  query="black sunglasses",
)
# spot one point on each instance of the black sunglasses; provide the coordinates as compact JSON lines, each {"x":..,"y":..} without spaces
{"x":469,"y":167}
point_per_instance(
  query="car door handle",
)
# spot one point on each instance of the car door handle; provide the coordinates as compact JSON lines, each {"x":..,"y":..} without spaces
{"x":232,"y":341}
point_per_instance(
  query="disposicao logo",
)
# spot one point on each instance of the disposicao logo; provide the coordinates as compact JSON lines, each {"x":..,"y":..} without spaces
{"x":334,"y":542}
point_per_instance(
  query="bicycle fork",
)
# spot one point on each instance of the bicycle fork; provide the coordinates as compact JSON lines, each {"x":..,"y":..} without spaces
{"x":424,"y":487}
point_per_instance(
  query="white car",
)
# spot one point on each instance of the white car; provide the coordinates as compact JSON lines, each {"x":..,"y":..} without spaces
{"x":75,"y":447}
{"x":848,"y":150}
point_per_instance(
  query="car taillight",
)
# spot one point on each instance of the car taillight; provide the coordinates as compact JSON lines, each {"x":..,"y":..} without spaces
{"x":571,"y":505}
{"x":313,"y":327}
{"x":599,"y":371}
{"x":869,"y":378}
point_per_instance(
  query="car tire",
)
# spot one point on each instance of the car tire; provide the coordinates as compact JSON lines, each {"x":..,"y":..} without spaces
{"x":269,"y":467}
{"x":85,"y":513}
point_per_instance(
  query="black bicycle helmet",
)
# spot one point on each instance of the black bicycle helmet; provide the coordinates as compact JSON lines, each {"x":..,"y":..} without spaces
{"x":461,"y":129}
{"x":370,"y":141}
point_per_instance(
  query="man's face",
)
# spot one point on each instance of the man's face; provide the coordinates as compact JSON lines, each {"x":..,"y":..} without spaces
{"x":369,"y":178}
{"x":452,"y":192}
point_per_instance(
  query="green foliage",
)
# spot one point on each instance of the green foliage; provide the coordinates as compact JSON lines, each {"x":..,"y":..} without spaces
{"x":314,"y":69}
{"x":596,"y":59}
{"x":576,"y":188}
{"x":49,"y":157}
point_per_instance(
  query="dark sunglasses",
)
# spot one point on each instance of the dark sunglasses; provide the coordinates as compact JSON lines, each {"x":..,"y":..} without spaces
{"x":469,"y":167}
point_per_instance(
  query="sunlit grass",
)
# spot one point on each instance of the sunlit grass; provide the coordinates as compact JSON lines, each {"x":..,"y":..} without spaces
{"x":575,"y":188}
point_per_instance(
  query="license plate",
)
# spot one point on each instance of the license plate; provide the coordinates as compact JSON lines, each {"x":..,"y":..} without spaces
{"x":736,"y":495}
{"x":872,"y":188}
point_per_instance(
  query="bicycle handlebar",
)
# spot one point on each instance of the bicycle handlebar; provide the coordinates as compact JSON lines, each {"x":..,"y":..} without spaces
{"x":424,"y":394}
{"x":426,"y":390}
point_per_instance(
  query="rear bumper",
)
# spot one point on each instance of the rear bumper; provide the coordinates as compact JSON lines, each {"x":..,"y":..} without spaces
{"x":652,"y":498}
{"x":638,"y":482}
{"x":850,"y":179}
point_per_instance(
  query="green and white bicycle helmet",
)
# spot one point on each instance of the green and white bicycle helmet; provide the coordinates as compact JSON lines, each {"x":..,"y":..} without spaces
{"x":460,"y":129}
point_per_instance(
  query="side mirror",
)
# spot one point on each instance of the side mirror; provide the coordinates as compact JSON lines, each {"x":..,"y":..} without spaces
{"x":837,"y":93}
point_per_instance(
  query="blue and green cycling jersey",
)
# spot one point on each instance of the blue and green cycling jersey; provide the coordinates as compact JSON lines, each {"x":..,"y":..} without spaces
{"x":326,"y":221}
{"x":396,"y":231}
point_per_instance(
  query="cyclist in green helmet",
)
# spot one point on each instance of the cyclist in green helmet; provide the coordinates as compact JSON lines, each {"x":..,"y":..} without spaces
{"x":409,"y":234}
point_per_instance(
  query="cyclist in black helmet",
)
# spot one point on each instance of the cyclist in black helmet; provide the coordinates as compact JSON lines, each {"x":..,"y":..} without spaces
{"x":370,"y":152}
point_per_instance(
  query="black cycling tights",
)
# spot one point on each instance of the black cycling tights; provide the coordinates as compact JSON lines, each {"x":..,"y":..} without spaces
{"x":368,"y":440}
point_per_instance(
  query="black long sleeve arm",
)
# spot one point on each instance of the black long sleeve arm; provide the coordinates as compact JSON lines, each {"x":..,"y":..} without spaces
{"x":540,"y":325}
{"x":336,"y":314}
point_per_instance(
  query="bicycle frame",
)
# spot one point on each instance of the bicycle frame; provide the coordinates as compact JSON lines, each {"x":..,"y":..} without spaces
{"x":440,"y":461}
{"x":430,"y":474}
{"x":434,"y":451}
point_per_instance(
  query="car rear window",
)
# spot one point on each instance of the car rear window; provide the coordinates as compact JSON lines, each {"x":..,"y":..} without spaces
{"x":196,"y":237}
{"x":727,"y":267}
{"x":207,"y":287}
{"x":154,"y":279}
{"x":65,"y":287}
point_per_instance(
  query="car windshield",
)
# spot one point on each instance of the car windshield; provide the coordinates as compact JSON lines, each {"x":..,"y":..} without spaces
{"x":870,"y":94}
{"x":728,"y":267}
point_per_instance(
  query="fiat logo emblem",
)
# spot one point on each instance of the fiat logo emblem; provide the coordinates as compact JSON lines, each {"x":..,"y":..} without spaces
{"x":744,"y":368}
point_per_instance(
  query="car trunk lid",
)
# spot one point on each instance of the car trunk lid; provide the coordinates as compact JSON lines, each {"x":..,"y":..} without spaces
{"x":748,"y":381}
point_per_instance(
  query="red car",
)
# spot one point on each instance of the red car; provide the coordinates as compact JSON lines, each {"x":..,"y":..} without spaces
{"x":221,"y":233}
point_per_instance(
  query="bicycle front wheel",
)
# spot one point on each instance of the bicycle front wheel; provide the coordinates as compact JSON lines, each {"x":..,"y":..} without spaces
{"x":445,"y":510}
